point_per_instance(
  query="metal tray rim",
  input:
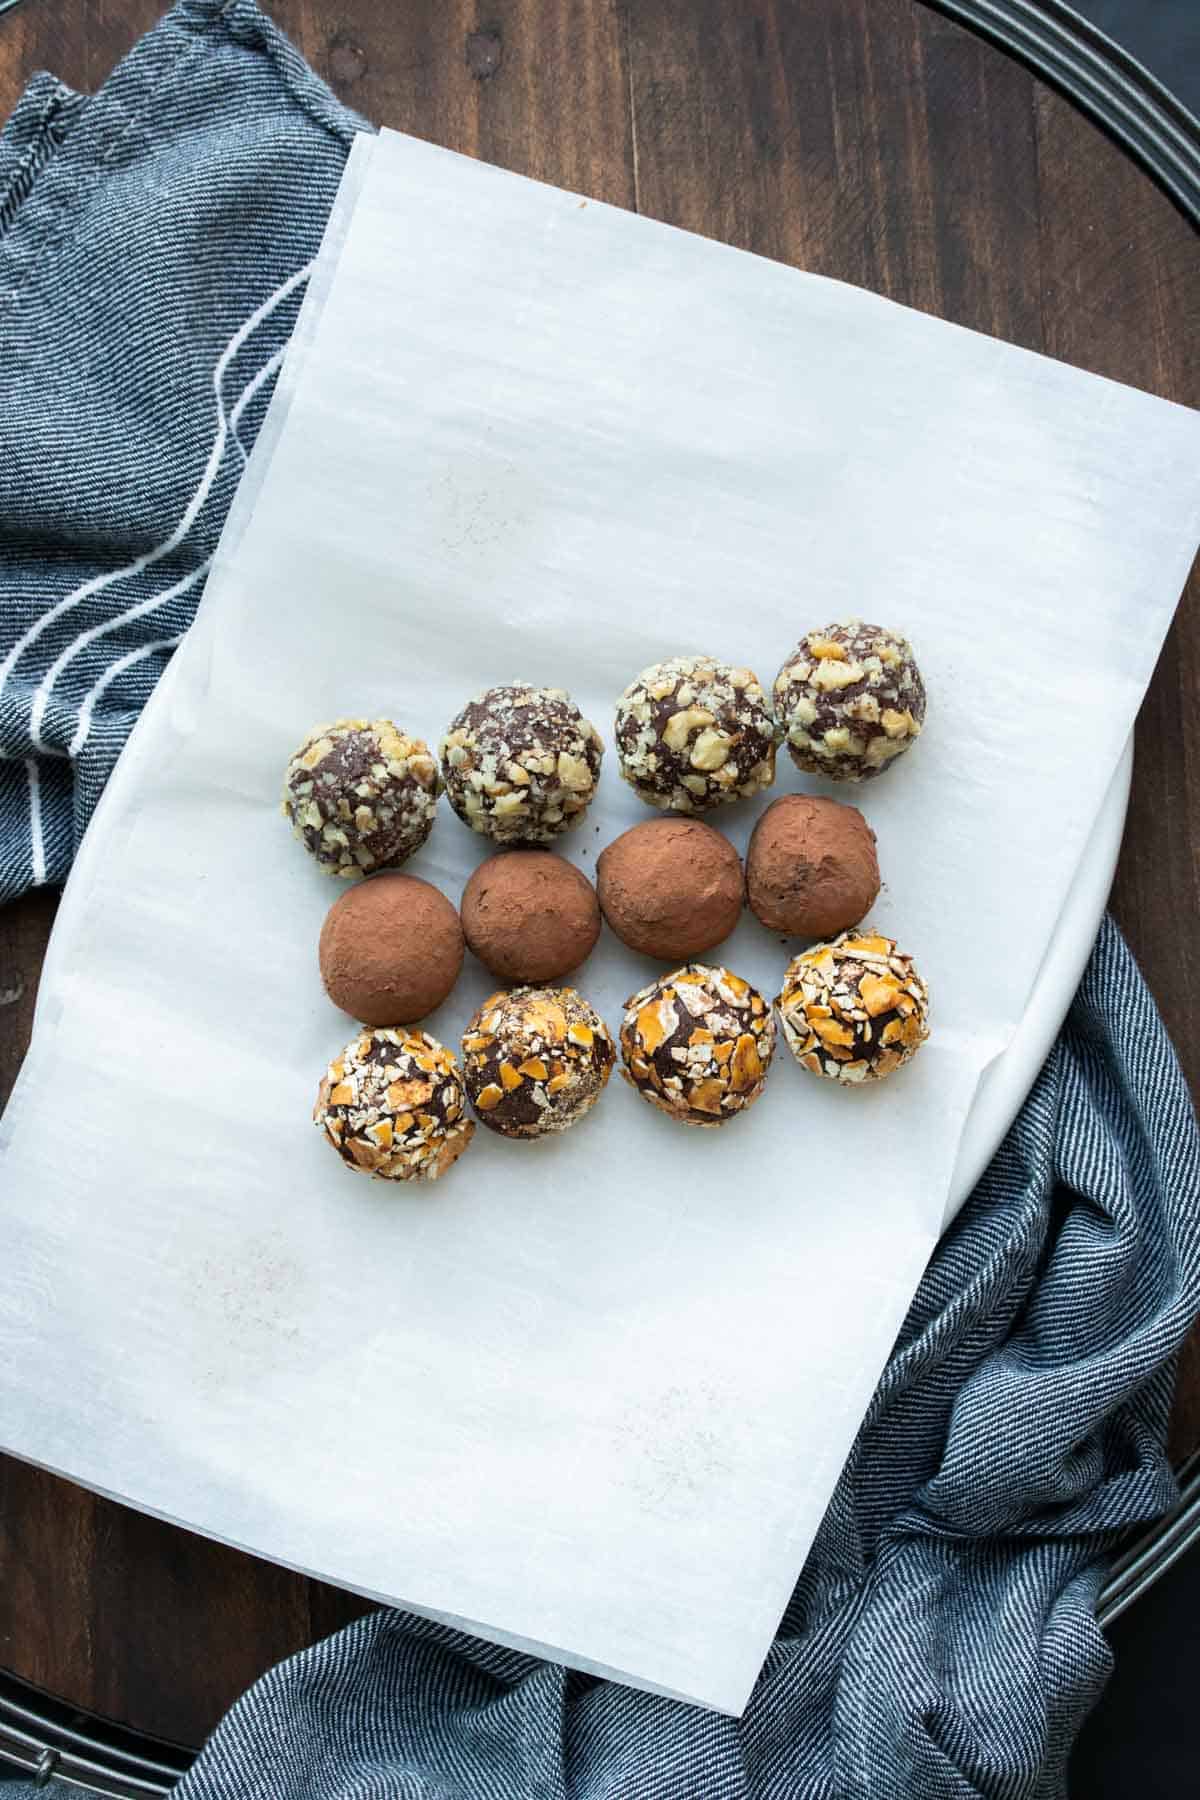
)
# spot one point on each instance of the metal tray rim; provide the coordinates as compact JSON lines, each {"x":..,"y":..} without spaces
{"x":49,"y":1739}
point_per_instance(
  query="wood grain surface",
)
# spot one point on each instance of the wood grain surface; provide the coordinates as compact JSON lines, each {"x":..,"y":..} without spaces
{"x":866,"y":139}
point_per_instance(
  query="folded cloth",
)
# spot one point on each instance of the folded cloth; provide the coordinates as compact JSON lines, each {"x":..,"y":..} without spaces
{"x":942,"y":1640}
{"x":154,"y":242}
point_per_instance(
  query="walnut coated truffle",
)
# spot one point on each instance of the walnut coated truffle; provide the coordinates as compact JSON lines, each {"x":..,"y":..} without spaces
{"x":530,"y":916}
{"x":811,"y":867}
{"x":671,"y":888}
{"x":521,"y":764}
{"x":535,"y":1060}
{"x":854,"y":1010}
{"x":850,"y":699}
{"x":697,"y":1044}
{"x":693,"y":733}
{"x":393,"y":1105}
{"x":361,"y":795}
{"x":390,"y":950}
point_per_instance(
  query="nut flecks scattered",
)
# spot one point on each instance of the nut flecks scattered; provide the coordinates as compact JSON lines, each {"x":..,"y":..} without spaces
{"x":850,"y":699}
{"x":697,"y":1044}
{"x":535,"y":1060}
{"x":855,"y":1009}
{"x":521,"y":764}
{"x":393,"y":1105}
{"x":361,"y":795}
{"x":694,"y":733}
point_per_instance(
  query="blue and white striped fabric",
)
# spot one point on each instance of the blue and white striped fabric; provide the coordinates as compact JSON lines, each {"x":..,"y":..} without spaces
{"x":942,"y":1639}
{"x":154,"y":244}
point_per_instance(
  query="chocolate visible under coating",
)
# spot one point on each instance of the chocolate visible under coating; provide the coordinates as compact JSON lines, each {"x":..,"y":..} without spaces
{"x":850,"y":699}
{"x":811,"y":868}
{"x":391,"y":950}
{"x":697,"y":1044}
{"x":521,"y":764}
{"x":530,"y":916}
{"x":854,"y":1010}
{"x":693,"y":733}
{"x":392,"y":1105}
{"x":671,"y":888}
{"x":361,"y":795}
{"x":535,"y":1059}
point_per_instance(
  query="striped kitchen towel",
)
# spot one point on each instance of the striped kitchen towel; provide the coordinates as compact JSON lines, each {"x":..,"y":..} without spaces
{"x":942,"y":1642}
{"x":154,"y":245}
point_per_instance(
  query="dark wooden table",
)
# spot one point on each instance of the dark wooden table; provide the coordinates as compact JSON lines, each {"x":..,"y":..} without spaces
{"x":867,"y":139}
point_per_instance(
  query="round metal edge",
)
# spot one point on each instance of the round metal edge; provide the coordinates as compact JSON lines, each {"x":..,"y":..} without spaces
{"x":1103,"y":80}
{"x":38,"y":1733}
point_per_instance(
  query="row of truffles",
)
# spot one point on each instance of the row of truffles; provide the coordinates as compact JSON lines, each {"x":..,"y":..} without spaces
{"x":693,"y":733}
{"x":392,"y":948}
{"x":520,"y":764}
{"x":674,"y":888}
{"x":535,"y":1061}
{"x":696,"y":1045}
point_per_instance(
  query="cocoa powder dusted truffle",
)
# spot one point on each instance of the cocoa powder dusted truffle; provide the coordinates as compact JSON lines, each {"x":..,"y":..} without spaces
{"x":361,"y":795}
{"x":671,"y":888}
{"x":393,"y":1105}
{"x":530,"y":916}
{"x":850,"y":700}
{"x":697,"y":1044}
{"x":535,"y":1060}
{"x":390,"y":950}
{"x":811,"y":868}
{"x":854,"y":1010}
{"x":521,"y":764}
{"x":693,"y":733}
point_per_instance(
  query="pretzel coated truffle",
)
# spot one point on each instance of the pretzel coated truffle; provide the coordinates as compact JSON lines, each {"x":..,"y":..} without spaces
{"x":535,"y":1060}
{"x":392,"y":1105}
{"x":854,"y":1010}
{"x":697,"y":1044}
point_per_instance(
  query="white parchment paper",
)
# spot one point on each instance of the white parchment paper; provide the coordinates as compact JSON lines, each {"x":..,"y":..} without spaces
{"x":591,"y":1396}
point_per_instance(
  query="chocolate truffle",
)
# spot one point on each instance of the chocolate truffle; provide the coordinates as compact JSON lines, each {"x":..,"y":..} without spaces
{"x":693,"y":733}
{"x":850,"y":699}
{"x":361,"y":795}
{"x":393,"y":1105}
{"x":855,"y":1009}
{"x":390,"y":950}
{"x":521,"y":764}
{"x":670,"y":888}
{"x":535,"y":1060}
{"x":530,"y":916}
{"x":811,"y":869}
{"x":697,"y":1044}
